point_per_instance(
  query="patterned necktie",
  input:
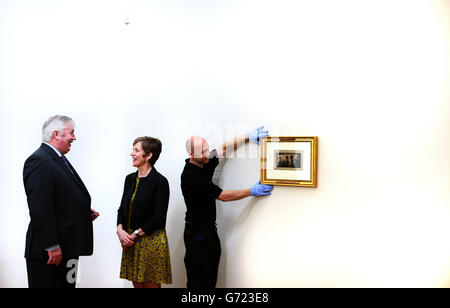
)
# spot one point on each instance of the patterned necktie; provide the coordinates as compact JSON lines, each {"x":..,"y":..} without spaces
{"x":66,"y":162}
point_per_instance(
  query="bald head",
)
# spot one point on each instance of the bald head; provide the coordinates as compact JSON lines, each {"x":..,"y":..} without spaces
{"x":194,"y":142}
{"x":198,"y":149}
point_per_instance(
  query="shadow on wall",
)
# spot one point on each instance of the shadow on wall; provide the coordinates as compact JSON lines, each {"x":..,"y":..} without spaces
{"x":238,"y":226}
{"x":177,"y":249}
{"x":2,"y":274}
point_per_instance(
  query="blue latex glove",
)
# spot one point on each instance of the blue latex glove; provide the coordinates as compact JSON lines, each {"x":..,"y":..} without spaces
{"x":257,"y":133}
{"x":261,"y":189}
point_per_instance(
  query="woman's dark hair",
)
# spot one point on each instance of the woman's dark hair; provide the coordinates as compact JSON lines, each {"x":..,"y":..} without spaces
{"x":150,"y":145}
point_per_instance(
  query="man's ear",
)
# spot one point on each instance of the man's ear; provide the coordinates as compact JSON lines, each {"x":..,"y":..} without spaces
{"x":55,"y":135}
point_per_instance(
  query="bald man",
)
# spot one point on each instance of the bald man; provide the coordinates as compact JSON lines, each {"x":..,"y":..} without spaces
{"x":200,"y":194}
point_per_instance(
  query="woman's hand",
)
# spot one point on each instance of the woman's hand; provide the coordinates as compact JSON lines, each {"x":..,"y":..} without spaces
{"x":141,"y":233}
{"x":133,"y":235}
{"x":125,"y":239}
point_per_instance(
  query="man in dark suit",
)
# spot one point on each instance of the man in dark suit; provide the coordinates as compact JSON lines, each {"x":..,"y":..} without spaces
{"x":60,"y":230}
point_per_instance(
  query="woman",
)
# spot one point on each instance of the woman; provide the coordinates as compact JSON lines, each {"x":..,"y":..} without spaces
{"x":141,"y":219}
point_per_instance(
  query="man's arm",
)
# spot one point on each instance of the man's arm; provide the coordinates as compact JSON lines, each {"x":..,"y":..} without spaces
{"x":233,"y":195}
{"x":39,"y":187}
{"x":233,"y":144}
{"x":257,"y":190}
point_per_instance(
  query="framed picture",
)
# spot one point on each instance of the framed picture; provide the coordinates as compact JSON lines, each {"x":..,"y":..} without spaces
{"x":289,"y":161}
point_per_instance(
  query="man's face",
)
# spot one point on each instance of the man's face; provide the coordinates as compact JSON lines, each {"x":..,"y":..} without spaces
{"x":65,"y":140}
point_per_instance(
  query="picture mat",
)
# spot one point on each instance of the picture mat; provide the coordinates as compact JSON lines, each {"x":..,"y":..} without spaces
{"x":298,"y":175}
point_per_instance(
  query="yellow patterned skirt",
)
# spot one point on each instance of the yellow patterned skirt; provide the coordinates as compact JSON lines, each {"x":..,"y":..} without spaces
{"x":148,"y":260}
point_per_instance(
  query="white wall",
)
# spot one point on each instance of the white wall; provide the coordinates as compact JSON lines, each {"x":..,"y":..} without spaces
{"x":369,"y":78}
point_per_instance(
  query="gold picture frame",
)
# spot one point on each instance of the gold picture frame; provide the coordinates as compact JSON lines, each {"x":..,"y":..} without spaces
{"x":289,"y":161}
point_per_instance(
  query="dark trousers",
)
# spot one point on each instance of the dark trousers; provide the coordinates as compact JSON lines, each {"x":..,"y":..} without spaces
{"x":43,"y":275}
{"x":202,"y":256}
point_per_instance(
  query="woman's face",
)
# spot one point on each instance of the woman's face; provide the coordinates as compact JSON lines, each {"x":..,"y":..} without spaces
{"x":138,"y":156}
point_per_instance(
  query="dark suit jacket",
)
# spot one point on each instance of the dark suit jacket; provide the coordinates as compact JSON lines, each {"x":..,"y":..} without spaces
{"x":60,"y":207}
{"x":150,"y":202}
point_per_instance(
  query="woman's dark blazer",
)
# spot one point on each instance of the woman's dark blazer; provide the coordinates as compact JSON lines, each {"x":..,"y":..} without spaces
{"x":150,"y":203}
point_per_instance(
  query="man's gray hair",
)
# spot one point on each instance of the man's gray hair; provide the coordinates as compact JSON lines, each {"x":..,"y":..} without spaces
{"x":55,"y":123}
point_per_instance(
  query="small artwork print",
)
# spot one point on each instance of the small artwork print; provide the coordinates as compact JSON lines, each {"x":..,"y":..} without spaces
{"x":288,"y":160}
